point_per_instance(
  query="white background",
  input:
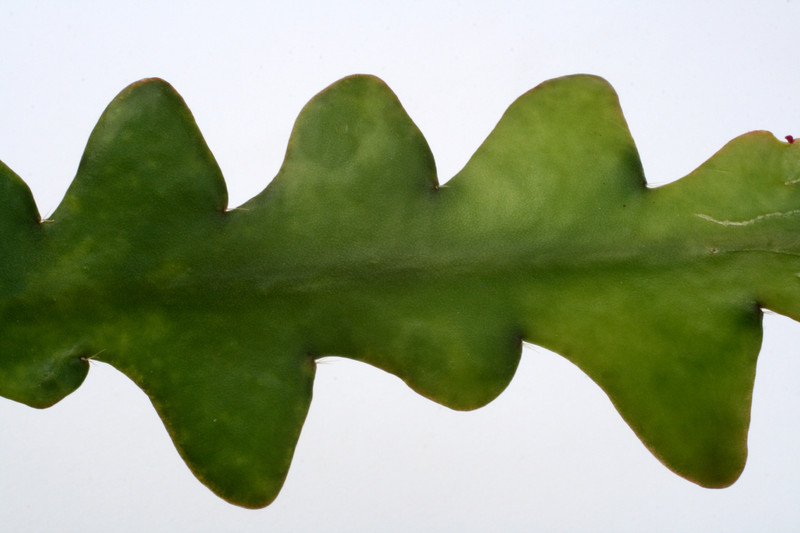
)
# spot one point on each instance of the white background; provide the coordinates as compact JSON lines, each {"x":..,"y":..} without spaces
{"x":550,"y":454}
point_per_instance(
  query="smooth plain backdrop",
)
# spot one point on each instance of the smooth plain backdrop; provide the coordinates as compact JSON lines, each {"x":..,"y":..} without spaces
{"x":550,"y":454}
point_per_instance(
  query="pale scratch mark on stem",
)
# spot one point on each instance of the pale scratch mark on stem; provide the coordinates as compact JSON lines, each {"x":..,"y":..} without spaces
{"x":748,"y":222}
{"x":91,"y":357}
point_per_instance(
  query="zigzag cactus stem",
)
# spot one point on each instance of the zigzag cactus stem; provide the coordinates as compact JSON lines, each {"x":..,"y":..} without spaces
{"x":549,"y":235}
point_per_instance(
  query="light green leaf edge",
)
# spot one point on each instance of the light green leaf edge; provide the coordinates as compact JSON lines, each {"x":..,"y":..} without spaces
{"x":549,"y":235}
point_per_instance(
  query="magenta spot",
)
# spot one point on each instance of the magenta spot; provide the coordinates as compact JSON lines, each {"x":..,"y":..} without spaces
{"x":790,"y":139}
